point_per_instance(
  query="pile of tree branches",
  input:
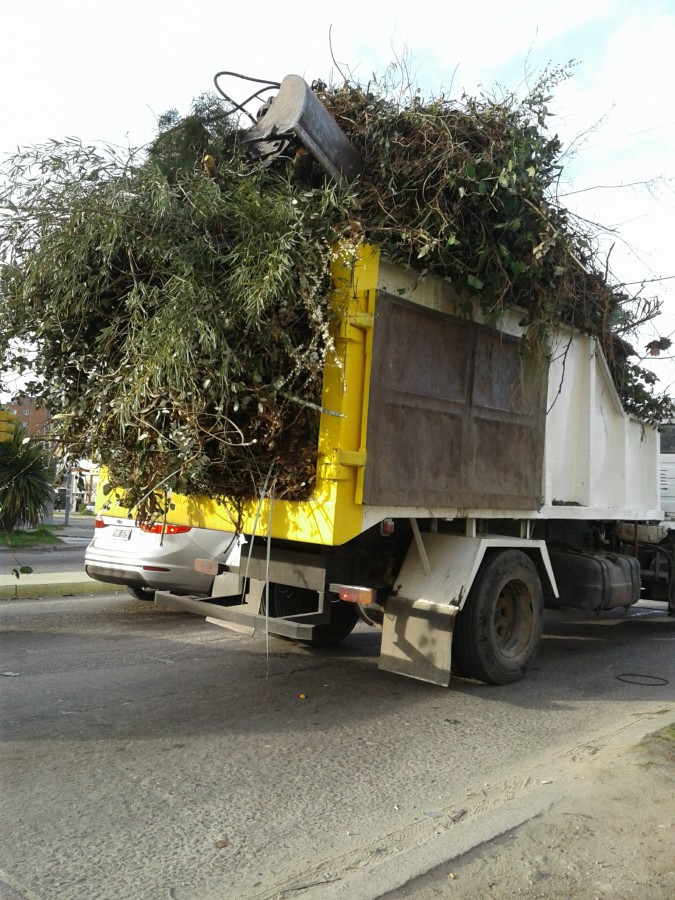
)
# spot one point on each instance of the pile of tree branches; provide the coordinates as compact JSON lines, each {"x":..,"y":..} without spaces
{"x":468,"y":191}
{"x":172,"y":303}
{"x":177,"y":321}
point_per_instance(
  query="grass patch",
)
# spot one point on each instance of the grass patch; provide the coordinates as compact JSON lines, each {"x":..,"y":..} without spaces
{"x":659,"y":747}
{"x":36,"y":537}
{"x":667,"y":734}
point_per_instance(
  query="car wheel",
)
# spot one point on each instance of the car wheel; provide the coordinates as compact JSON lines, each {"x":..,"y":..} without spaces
{"x":141,"y":593}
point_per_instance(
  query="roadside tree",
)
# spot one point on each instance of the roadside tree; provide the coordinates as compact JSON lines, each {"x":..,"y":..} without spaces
{"x":26,"y":481}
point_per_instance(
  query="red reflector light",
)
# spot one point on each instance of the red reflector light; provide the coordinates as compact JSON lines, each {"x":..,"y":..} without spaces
{"x":350,"y":593}
{"x":155,"y":569}
{"x":98,"y":522}
{"x":159,"y":528}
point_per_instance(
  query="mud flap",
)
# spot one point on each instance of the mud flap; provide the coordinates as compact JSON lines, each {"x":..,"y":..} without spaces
{"x":417,"y":639}
{"x":431,"y":588}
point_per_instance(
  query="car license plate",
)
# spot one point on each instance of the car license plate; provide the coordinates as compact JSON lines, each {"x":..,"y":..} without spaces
{"x":121,"y":534}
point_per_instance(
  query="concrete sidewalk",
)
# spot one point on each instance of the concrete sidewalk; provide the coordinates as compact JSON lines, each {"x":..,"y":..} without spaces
{"x":51,"y":584}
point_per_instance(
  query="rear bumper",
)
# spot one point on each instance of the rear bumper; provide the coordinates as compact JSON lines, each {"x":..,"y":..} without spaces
{"x":178,"y":579}
{"x":115,"y":576}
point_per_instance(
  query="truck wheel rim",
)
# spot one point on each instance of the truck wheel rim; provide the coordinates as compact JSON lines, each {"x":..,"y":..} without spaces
{"x":513,"y":619}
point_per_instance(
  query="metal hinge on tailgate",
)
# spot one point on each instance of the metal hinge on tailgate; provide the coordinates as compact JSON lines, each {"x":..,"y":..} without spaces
{"x":337,"y":466}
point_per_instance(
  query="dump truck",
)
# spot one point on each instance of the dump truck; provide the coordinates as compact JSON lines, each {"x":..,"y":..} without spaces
{"x":463,"y":482}
{"x":461,"y":488}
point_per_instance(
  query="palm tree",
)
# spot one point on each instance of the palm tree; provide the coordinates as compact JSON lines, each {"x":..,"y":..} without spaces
{"x":26,"y":481}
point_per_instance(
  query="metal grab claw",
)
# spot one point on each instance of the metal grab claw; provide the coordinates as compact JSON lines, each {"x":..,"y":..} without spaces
{"x":297,"y":110}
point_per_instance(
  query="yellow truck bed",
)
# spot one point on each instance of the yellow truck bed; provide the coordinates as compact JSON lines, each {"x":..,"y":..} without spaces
{"x":429,"y":412}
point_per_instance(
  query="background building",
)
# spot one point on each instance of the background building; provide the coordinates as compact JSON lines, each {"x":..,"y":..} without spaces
{"x":34,"y":420}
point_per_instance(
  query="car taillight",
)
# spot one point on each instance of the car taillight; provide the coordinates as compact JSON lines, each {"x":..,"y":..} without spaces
{"x":159,"y":528}
{"x":98,"y":522}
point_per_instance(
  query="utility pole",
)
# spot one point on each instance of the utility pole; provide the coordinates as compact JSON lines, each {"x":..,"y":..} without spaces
{"x":69,"y":494}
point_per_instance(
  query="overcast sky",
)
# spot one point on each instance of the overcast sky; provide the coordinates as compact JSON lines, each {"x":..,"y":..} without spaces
{"x":68,"y":68}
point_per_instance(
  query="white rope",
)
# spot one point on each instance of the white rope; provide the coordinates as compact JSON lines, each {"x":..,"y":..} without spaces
{"x":263,"y":492}
{"x":267,"y":587}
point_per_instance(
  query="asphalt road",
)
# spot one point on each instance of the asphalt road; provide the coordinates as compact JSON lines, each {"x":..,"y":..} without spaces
{"x":69,"y":558}
{"x":148,"y":754}
{"x":66,"y":557}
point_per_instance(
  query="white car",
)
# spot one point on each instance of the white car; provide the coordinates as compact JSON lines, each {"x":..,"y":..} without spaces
{"x":147,"y":558}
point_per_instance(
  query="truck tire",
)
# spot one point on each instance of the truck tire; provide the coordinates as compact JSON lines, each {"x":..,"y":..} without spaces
{"x":289,"y":601}
{"x":496,"y":634}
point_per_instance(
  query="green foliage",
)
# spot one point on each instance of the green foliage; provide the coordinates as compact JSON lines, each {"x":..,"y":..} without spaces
{"x":467,"y":191}
{"x":182,"y":142}
{"x":175,"y":300}
{"x":38,"y":537}
{"x":179,"y":320}
{"x":636,"y":389}
{"x":26,"y":482}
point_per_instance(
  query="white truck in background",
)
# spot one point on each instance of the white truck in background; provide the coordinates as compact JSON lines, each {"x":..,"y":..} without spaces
{"x":667,"y":470}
